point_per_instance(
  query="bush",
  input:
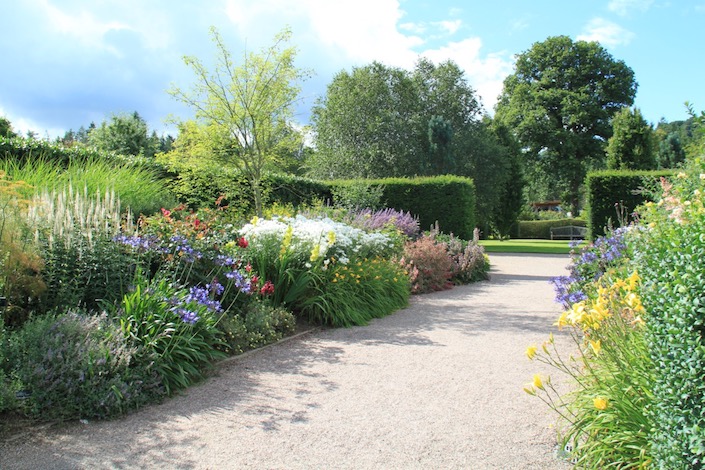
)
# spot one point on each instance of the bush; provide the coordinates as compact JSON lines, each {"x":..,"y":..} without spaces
{"x":428,"y":264}
{"x":7,"y":391}
{"x":542,"y":228}
{"x":75,"y":365}
{"x":370,"y":220}
{"x":468,"y":261}
{"x":671,"y":252}
{"x":257,"y":325}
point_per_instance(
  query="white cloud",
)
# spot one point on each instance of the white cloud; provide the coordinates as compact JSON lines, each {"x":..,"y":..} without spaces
{"x":486,"y":75}
{"x":84,"y":26}
{"x":450,"y":27}
{"x":624,"y":7}
{"x":606,"y":33}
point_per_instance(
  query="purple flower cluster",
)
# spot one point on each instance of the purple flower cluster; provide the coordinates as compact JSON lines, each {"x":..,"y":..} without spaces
{"x":149,"y":243}
{"x":589,"y":265}
{"x":241,"y":282}
{"x":201,"y":295}
{"x":182,"y":247}
{"x":374,"y":220}
{"x":187,"y":316}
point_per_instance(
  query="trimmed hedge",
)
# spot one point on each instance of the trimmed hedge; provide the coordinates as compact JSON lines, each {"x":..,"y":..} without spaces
{"x":606,"y":189}
{"x":200,"y":186}
{"x":448,"y":200}
{"x":542,"y":228}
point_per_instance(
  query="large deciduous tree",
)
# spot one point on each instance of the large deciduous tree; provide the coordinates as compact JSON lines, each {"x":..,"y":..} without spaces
{"x":365,"y":125}
{"x":245,"y":110}
{"x":631,"y":146}
{"x":560,"y":101}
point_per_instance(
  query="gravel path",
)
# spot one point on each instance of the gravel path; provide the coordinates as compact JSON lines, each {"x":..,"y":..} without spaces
{"x":436,"y":385}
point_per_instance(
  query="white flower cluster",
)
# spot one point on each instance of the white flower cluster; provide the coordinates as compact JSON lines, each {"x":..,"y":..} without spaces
{"x":321,"y":237}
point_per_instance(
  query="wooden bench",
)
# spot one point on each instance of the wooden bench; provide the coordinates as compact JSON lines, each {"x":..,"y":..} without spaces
{"x":570,"y":232}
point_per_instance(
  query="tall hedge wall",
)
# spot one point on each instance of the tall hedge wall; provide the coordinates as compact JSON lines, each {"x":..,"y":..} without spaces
{"x":626,"y":188}
{"x":450,"y":200}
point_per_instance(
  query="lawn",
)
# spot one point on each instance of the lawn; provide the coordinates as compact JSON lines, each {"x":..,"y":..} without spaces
{"x":526,"y":246}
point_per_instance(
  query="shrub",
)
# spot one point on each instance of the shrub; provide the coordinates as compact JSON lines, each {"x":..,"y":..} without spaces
{"x":75,"y":365}
{"x":174,"y":329}
{"x":428,"y":264}
{"x":468,"y":261}
{"x":7,"y":391}
{"x":257,"y":325}
{"x":671,"y":252}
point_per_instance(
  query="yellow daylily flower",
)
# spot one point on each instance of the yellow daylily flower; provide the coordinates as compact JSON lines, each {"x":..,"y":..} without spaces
{"x":531,"y":352}
{"x":596,"y":346}
{"x":600,"y":403}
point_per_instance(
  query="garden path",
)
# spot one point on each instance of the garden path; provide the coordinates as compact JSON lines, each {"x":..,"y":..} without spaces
{"x":436,"y":385}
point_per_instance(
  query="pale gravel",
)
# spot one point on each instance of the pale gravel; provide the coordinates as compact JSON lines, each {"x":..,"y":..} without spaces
{"x":437,"y":385}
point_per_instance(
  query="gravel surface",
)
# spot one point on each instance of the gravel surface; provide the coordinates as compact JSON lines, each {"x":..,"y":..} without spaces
{"x":436,"y":385}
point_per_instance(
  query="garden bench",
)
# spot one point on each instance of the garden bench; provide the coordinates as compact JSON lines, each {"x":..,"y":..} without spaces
{"x":570,"y":232}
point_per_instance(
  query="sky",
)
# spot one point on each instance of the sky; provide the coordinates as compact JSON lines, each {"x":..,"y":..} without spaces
{"x":67,"y":63}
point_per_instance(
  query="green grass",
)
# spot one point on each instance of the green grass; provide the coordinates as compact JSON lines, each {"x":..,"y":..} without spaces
{"x":526,"y":246}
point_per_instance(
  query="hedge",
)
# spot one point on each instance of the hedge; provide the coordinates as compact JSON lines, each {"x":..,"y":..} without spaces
{"x":448,"y":200}
{"x":611,"y":190}
{"x":542,"y":228}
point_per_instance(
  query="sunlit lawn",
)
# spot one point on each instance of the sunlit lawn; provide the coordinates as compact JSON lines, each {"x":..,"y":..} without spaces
{"x":526,"y":246}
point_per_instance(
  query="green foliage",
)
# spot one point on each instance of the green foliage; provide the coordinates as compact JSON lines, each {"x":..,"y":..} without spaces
{"x":671,"y":253}
{"x":559,"y":102}
{"x":75,"y":365}
{"x":173,"y":332}
{"x":257,"y":325}
{"x":125,"y":134}
{"x":505,"y":217}
{"x":6,"y":128}
{"x":357,"y":194}
{"x":448,"y":200}
{"x":7,"y":391}
{"x":140,"y":187}
{"x":542,"y":228}
{"x":631,"y":146}
{"x":353,"y":294}
{"x":244,"y":111}
{"x":613,"y":196}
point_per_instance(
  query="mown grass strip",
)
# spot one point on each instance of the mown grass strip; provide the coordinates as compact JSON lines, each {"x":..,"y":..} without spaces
{"x":527,"y":246}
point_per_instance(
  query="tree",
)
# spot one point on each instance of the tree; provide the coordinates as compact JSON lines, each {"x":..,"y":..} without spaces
{"x":670,"y":151}
{"x":365,"y":125}
{"x":560,"y":101}
{"x":125,"y":134}
{"x":6,"y":128}
{"x":246,"y":110}
{"x":631,"y":146}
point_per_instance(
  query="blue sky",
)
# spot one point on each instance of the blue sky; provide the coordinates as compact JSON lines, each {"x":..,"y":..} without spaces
{"x":66,"y":63}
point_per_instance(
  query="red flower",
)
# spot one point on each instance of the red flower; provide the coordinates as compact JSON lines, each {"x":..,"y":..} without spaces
{"x":267,"y":289}
{"x":242,"y":243}
{"x":166,"y":212}
{"x":248,"y":268}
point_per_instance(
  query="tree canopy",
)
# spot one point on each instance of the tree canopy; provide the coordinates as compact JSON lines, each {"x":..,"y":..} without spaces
{"x":631,"y":146}
{"x":6,"y":128}
{"x":560,"y":101}
{"x":244,"y":111}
